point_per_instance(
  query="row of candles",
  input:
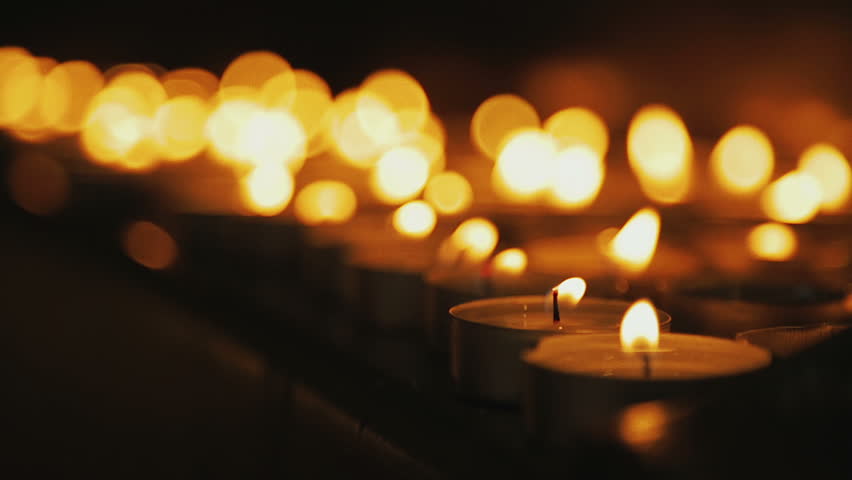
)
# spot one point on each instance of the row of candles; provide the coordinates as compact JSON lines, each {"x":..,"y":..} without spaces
{"x":354,"y":167}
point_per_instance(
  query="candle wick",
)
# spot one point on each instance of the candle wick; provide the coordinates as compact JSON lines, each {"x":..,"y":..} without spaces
{"x":555,"y":293}
{"x":646,"y":365}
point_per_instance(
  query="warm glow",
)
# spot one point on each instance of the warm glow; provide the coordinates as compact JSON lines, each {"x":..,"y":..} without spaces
{"x":640,"y":328}
{"x":572,"y":289}
{"x":325,"y":201}
{"x":525,"y":165}
{"x":496,"y":118}
{"x":347,"y":132}
{"x":831,"y":169}
{"x":309,"y":99}
{"x":475,"y":238}
{"x":415,"y":219}
{"x":399,"y":175}
{"x":578,"y":125}
{"x":643,"y":424}
{"x":179,"y":127}
{"x":190,"y":81}
{"x":149,"y":245}
{"x":83,"y":81}
{"x":272,"y":137}
{"x":634,"y":245}
{"x":577,"y":177}
{"x":116,"y":129}
{"x":378,"y":120}
{"x":793,"y":198}
{"x":402,"y":94}
{"x":20,"y":84}
{"x":743,"y":160}
{"x":38,"y":183}
{"x":449,"y":192}
{"x":254,"y":69}
{"x":35,"y":125}
{"x":224,"y":127}
{"x":660,"y":153}
{"x":146,"y":85}
{"x":772,"y":241}
{"x":267,"y":189}
{"x":512,"y":261}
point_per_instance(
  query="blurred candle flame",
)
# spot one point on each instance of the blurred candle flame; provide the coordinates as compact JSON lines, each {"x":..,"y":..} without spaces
{"x":577,"y":177}
{"x":449,"y":192}
{"x":633,"y":247}
{"x":831,"y":170}
{"x":498,"y":117}
{"x":399,"y":175}
{"x":474,"y":239}
{"x":743,"y":160}
{"x":325,"y":201}
{"x":640,"y":327}
{"x":415,"y":219}
{"x":149,"y":245}
{"x":772,"y":241}
{"x":267,"y":189}
{"x":512,"y":261}
{"x":525,"y":165}
{"x":579,"y":126}
{"x":572,"y":289}
{"x":794,"y":198}
{"x":660,"y":153}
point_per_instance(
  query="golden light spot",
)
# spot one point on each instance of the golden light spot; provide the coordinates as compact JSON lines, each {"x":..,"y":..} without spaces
{"x":794,"y":198}
{"x":149,"y":245}
{"x":224,"y":128}
{"x":633,"y":247}
{"x":308,"y":99}
{"x":449,"y":192}
{"x":190,"y":81}
{"x":743,"y":160}
{"x":325,"y":201}
{"x":772,"y":241}
{"x":348,"y":135}
{"x":69,"y":89}
{"x":475,"y":238}
{"x":578,"y":125}
{"x":114,"y":127}
{"x":399,"y":175}
{"x":38,"y":184}
{"x":415,"y":219}
{"x":660,"y":153}
{"x":512,"y":261}
{"x":831,"y":169}
{"x":577,"y":177}
{"x":254,"y":69}
{"x":179,"y":127}
{"x":272,"y":136}
{"x":643,"y":424}
{"x":267,"y":189}
{"x":498,"y":117}
{"x":525,"y":165}
{"x":640,"y":328}
{"x":402,"y":94}
{"x":146,"y":85}
{"x":20,"y":86}
{"x":378,"y":120}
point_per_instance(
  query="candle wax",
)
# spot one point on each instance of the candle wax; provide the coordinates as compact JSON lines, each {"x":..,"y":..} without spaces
{"x":678,"y":357}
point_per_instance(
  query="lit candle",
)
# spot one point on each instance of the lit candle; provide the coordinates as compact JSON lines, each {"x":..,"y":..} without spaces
{"x":488,"y":336}
{"x":580,"y":383}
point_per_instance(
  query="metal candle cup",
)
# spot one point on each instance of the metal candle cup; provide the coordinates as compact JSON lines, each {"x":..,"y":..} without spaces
{"x":488,"y":336}
{"x":577,"y":385}
{"x":785,"y":341}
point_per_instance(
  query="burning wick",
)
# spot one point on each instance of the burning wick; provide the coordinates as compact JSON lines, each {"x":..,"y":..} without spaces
{"x":646,"y":365}
{"x":574,"y":288}
{"x":640,"y":333}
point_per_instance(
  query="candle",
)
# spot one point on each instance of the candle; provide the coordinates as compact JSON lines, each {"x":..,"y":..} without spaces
{"x":580,"y":383}
{"x":789,"y":340}
{"x":488,"y":336}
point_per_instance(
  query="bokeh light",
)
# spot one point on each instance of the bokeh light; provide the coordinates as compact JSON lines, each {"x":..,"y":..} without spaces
{"x":325,"y":201}
{"x":831,"y":169}
{"x":475,"y":239}
{"x":743,"y":160}
{"x":794,"y":198}
{"x":512,"y":261}
{"x":633,"y":247}
{"x":179,"y":127}
{"x":149,"y":245}
{"x":415,"y":219}
{"x":578,"y":125}
{"x":267,"y":189}
{"x":577,"y":177}
{"x":402,"y":94}
{"x":660,"y":154}
{"x":449,"y":192}
{"x":38,"y":183}
{"x":525,"y":165}
{"x":497,"y":118}
{"x":772,"y":241}
{"x":399,"y":175}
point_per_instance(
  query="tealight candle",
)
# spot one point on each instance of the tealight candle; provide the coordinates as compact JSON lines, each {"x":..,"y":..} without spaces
{"x":488,"y":336}
{"x":789,"y":340}
{"x":580,"y":383}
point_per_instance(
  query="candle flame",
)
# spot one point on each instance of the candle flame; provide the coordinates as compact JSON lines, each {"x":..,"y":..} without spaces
{"x":579,"y":126}
{"x":633,"y":247}
{"x":325,"y":201}
{"x":267,"y":189}
{"x":772,"y":241}
{"x":660,"y":153}
{"x":831,"y":169}
{"x":573,"y":289}
{"x":577,"y":177}
{"x":512,"y":261}
{"x":743,"y":160}
{"x":793,"y":198}
{"x":415,"y":219}
{"x":399,"y":175}
{"x":640,"y":327}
